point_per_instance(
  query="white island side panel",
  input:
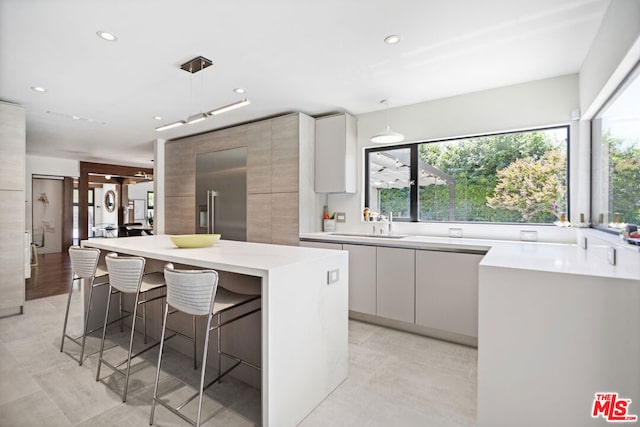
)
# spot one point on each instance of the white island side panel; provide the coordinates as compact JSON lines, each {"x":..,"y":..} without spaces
{"x":548,"y":342}
{"x":306,"y":325}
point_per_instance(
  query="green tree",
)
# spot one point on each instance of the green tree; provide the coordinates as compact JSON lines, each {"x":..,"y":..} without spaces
{"x":624,"y":178}
{"x":534,"y":189}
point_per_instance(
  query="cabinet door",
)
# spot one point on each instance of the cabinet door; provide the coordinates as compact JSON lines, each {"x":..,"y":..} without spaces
{"x":180,"y":169}
{"x":447,"y":291}
{"x":12,"y":250}
{"x":362,"y":278}
{"x":396,"y":283}
{"x":285,"y":158}
{"x":321,"y":245}
{"x":259,"y":157}
{"x":259,"y":218}
{"x":335,"y":154}
{"x":284,"y":219}
{"x":12,"y":148}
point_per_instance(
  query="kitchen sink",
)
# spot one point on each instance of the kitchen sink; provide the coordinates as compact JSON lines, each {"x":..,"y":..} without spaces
{"x":383,"y":236}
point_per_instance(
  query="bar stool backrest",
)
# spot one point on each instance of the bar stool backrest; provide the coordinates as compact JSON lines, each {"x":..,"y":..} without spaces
{"x":84,"y":261}
{"x":191,"y":291}
{"x":125,"y":273}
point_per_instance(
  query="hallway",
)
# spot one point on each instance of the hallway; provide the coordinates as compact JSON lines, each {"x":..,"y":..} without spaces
{"x":50,"y":277}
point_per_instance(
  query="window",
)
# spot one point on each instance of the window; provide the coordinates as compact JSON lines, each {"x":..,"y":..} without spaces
{"x":615,"y":185}
{"x":518,"y":177}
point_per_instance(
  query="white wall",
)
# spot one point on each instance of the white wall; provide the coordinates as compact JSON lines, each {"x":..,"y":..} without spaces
{"x":534,"y":104}
{"x":158,"y":174}
{"x":614,"y":51}
{"x":52,"y":166}
{"x":107,"y":217}
{"x":139,"y":192}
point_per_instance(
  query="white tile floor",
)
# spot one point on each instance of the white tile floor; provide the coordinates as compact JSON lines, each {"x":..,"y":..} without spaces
{"x":395,"y":379}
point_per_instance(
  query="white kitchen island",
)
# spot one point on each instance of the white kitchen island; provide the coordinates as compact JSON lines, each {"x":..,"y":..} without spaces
{"x":304,"y":318}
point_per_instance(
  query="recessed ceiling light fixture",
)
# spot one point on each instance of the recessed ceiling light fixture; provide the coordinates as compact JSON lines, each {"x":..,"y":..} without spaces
{"x":157,"y":118}
{"x":192,"y":67}
{"x":38,"y":88}
{"x":387,"y":136}
{"x":239,"y":90}
{"x":107,"y":36}
{"x":392,"y":39}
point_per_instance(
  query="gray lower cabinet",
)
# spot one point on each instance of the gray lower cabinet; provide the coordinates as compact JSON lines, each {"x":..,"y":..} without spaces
{"x":321,"y":245}
{"x":447,"y":291}
{"x":395,"y":284}
{"x":362,"y":278}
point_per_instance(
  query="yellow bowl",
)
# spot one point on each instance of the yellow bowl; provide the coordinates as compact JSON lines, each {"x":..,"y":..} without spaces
{"x":195,"y":240}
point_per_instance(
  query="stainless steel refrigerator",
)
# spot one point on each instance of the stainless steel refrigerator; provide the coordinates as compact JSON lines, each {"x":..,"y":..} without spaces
{"x":221,"y":193}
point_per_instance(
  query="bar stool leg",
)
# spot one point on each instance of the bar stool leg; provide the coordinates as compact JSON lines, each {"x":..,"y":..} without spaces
{"x":204,"y":368}
{"x":133,"y":331}
{"x":155,"y":387}
{"x":104,"y":333}
{"x":121,"y":319}
{"x":218,"y":330}
{"x":66,"y":316}
{"x":86,"y":322}
{"x":193,"y":326}
{"x":144,"y":321}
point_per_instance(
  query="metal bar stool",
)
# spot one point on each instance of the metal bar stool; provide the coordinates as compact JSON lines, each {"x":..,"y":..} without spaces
{"x":127,"y":276}
{"x":196,"y":292}
{"x":84,"y":265}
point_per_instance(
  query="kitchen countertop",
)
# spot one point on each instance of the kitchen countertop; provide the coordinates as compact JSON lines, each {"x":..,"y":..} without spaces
{"x":536,"y":256}
{"x":255,"y":259}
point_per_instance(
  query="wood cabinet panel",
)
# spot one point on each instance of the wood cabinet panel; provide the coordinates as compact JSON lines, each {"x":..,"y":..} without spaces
{"x":447,"y":291}
{"x":395,"y":284}
{"x":362,"y":278}
{"x":259,"y":218}
{"x":12,"y":224}
{"x":224,"y":139}
{"x":12,"y":147}
{"x":180,"y":214}
{"x":285,"y":157}
{"x":285,"y":219}
{"x":259,"y":157}
{"x":180,"y":168}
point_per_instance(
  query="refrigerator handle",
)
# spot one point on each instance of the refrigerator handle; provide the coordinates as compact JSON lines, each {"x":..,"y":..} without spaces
{"x":211,"y":210}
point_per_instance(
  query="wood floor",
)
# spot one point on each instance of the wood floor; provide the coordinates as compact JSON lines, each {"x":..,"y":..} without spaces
{"x":50,"y":277}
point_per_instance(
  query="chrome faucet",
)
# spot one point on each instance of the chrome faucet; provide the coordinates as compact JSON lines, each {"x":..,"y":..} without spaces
{"x":390,"y":223}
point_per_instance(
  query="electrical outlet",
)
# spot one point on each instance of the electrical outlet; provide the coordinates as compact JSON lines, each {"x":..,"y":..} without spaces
{"x":333,"y":276}
{"x":341,"y":217}
{"x":455,"y":232}
{"x":528,"y":236}
{"x":612,"y":255}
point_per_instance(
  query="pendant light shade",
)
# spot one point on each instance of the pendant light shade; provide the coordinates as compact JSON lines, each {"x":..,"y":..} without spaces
{"x":387,"y":136}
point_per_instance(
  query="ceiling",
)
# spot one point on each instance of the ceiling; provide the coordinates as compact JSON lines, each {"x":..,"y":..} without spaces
{"x":289,"y":55}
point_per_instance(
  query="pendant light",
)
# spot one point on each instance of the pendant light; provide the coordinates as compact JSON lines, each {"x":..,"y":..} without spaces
{"x":194,"y":66}
{"x":387,"y":136}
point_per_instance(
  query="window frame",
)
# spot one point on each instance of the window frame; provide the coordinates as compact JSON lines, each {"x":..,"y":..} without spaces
{"x":414,"y":187}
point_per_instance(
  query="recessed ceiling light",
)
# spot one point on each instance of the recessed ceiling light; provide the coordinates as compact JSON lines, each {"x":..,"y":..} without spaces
{"x":157,"y":118}
{"x":107,"y":36}
{"x":239,"y":90}
{"x":38,"y":88}
{"x":392,"y":39}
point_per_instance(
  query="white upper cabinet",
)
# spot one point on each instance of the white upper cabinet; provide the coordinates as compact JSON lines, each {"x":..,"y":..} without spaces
{"x":336,"y":148}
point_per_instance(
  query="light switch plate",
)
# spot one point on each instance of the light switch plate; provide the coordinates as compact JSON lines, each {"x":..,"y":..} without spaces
{"x":611,"y":255}
{"x":341,"y":217}
{"x":333,"y":276}
{"x":528,"y":236}
{"x":455,"y":232}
